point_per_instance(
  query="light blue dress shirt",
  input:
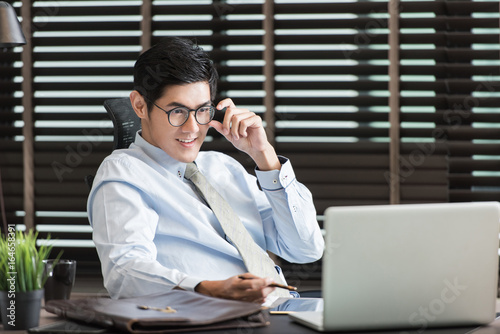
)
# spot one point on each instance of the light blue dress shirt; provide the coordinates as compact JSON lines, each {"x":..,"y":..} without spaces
{"x":153,"y":231}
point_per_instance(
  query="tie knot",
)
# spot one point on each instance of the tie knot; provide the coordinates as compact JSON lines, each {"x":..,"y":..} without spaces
{"x":191,"y":169}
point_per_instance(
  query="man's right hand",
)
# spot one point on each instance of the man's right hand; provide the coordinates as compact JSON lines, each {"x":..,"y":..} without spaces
{"x":246,"y":287}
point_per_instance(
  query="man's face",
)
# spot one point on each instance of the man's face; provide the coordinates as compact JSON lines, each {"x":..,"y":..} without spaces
{"x":181,"y":143}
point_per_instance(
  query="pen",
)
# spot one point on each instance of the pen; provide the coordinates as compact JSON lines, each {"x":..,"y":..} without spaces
{"x":274,"y":285}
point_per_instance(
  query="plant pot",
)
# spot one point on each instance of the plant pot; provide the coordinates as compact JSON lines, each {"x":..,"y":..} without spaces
{"x":20,"y":310}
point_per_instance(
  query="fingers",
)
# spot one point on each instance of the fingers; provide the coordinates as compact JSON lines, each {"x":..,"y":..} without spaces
{"x":225,"y":103}
{"x":247,"y":276}
{"x":253,"y":288}
{"x":236,"y":121}
{"x":246,"y":287}
{"x":244,"y":129}
{"x":241,"y":123}
{"x":258,"y":296}
{"x":217,"y":126}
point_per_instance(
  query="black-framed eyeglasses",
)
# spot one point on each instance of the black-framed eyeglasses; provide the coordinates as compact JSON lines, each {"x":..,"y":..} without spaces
{"x":178,"y":116}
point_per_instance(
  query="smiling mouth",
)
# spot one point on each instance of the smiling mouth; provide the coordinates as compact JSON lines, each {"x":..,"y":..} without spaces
{"x":186,"y":141}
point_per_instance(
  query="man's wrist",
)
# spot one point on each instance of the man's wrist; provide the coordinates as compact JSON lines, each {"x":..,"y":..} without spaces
{"x":203,"y":288}
{"x":267,"y":159}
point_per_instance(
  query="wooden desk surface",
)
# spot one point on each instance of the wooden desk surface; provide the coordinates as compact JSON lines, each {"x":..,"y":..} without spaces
{"x":282,"y":324}
{"x":47,"y":318}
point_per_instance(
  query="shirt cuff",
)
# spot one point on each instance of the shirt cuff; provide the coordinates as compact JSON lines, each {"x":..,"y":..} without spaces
{"x":189,"y":283}
{"x":276,"y":179}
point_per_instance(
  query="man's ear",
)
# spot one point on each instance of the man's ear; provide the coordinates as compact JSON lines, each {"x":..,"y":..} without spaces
{"x":139,"y":104}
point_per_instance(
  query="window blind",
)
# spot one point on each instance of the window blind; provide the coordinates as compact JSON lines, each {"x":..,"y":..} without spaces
{"x":83,"y":53}
{"x":317,"y":73}
{"x":11,"y":156}
{"x":449,"y":88}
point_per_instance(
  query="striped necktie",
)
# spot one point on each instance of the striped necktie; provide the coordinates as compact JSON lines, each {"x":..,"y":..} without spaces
{"x":255,"y":258}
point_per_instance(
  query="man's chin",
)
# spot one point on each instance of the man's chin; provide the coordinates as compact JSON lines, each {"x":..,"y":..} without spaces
{"x":188,"y":157}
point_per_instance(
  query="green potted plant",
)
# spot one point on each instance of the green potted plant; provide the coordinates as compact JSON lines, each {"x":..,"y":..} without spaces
{"x":21,"y":278}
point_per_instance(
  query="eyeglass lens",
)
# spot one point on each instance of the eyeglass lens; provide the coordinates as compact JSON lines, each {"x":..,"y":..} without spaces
{"x":179,"y":116}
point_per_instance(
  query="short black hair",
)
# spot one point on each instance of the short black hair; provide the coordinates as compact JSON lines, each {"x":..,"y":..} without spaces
{"x":173,"y":61}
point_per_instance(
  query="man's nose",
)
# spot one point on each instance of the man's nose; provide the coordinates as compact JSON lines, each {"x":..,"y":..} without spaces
{"x":191,"y":124}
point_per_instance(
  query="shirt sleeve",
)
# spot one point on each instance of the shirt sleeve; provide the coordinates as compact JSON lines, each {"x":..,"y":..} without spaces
{"x":290,"y":225}
{"x":123,"y":232}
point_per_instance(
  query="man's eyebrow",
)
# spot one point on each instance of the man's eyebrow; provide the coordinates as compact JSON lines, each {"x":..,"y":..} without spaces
{"x":177,"y":104}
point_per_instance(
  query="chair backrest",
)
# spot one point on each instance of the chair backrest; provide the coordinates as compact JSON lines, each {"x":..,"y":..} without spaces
{"x":125,"y":121}
{"x":125,"y":125}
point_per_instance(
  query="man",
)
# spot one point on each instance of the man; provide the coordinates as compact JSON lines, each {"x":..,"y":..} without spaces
{"x":152,"y":228}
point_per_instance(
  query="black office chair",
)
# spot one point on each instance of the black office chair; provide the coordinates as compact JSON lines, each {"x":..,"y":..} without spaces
{"x":125,"y":121}
{"x":125,"y":125}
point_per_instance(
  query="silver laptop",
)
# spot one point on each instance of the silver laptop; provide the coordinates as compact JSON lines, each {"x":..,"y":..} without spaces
{"x":408,"y":266}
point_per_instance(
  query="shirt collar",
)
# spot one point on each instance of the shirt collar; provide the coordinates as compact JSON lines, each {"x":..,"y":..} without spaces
{"x":171,"y":165}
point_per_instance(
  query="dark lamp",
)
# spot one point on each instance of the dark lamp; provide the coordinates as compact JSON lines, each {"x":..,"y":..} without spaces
{"x":10,"y":30}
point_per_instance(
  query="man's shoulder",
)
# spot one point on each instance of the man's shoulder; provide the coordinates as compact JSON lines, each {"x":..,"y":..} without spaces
{"x":124,"y":156}
{"x":122,"y":162}
{"x":215,"y":162}
{"x":216,"y":157}
{"x":212,"y":154}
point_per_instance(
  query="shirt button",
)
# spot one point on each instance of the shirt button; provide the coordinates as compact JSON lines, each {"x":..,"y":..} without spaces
{"x":294,"y":208}
{"x":179,"y":174}
{"x":275,"y":181}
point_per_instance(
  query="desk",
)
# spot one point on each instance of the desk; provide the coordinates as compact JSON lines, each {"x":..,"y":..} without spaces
{"x":283,"y":324}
